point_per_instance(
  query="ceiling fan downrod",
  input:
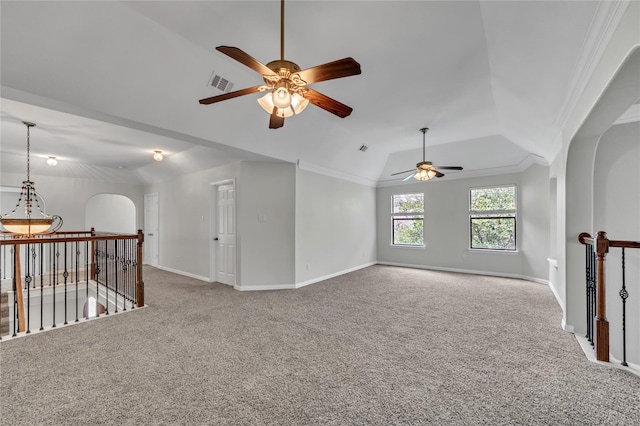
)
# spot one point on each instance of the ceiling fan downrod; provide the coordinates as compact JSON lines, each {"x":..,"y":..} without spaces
{"x":424,"y":131}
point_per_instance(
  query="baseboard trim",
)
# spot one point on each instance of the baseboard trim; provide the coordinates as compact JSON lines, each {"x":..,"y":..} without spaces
{"x":183,"y":273}
{"x":468,"y":271}
{"x":590,"y":354}
{"x":300,"y":284}
{"x":335,"y":274}
{"x":557,"y":296}
{"x":264,"y":287}
{"x":566,"y":327}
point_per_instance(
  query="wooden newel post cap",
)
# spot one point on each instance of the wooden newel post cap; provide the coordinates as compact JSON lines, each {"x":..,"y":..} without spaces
{"x":602,"y":243}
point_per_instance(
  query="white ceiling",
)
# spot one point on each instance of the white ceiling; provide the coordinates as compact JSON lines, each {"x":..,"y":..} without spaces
{"x":109,"y":82}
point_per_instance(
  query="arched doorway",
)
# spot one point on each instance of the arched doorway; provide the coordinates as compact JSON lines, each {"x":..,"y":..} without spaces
{"x":585,"y":188}
{"x":111,"y":213}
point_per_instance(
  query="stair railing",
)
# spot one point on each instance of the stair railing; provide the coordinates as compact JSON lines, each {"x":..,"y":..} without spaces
{"x":595,"y":261}
{"x":73,"y":266}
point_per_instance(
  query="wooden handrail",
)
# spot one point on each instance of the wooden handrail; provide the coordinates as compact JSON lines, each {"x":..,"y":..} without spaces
{"x":624,"y":244}
{"x":68,"y":239}
{"x":585,"y":238}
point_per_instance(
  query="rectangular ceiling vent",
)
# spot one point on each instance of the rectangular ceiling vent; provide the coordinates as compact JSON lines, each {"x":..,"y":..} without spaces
{"x":220,"y":83}
{"x":363,"y":148}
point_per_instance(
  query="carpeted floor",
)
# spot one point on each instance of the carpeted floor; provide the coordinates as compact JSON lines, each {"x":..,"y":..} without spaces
{"x":379,"y":346}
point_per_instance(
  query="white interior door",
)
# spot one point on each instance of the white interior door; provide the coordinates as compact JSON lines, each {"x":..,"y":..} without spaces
{"x":226,"y":234}
{"x":151,"y":240}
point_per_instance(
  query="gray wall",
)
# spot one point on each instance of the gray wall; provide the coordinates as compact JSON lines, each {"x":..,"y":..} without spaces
{"x":309,"y":219}
{"x":265,"y":250}
{"x":267,"y":247}
{"x":111,"y":213}
{"x":68,"y":197}
{"x":446,"y":226}
{"x":183,"y":217}
{"x":335,"y":226}
{"x":616,"y":210}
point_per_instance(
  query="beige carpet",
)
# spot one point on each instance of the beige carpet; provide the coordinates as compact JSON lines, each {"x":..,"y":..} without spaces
{"x":379,"y":346}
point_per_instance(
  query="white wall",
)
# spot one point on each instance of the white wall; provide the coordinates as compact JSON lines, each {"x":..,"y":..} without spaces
{"x":616,"y":210}
{"x":574,"y":204}
{"x":335,"y":226}
{"x":111,"y":213}
{"x":67,"y":197}
{"x":183,"y":215}
{"x":266,"y":225}
{"x":265,"y":249}
{"x":446,"y":226}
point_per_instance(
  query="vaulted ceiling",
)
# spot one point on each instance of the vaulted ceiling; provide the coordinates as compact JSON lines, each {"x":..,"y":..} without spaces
{"x":109,"y":82}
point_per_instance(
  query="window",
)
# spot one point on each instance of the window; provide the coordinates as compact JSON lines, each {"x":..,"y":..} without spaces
{"x":492,"y":218}
{"x":407,"y":217}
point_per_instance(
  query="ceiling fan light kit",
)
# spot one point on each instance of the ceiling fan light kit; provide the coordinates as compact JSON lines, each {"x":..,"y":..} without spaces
{"x":286,"y":84}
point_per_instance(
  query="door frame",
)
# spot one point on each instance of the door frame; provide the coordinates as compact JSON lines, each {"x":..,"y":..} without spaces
{"x":213,"y":227}
{"x":146,"y":257}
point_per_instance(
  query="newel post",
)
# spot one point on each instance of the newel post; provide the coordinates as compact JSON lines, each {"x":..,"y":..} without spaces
{"x":602,"y":325}
{"x":139,"y":282}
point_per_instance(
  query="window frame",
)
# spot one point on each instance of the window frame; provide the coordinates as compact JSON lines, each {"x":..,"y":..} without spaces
{"x":406,"y":216}
{"x":495,"y":214}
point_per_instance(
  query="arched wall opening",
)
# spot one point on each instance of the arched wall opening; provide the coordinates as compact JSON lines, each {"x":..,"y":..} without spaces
{"x":583,"y":177}
{"x":111,"y":213}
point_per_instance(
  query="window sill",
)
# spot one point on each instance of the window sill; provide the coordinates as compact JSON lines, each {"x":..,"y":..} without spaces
{"x":421,"y":247}
{"x":508,"y":252}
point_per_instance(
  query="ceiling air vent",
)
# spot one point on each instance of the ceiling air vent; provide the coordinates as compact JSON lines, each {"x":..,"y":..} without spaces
{"x":363,"y":148}
{"x":220,"y":83}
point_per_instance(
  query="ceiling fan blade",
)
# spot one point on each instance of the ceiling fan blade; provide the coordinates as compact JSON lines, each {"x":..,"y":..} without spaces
{"x":448,"y":167}
{"x":230,"y":95}
{"x":327,"y":103}
{"x":438,"y":174}
{"x":246,"y":59}
{"x":401,"y":173}
{"x":408,"y":177}
{"x":275,"y":121}
{"x":331,"y":70}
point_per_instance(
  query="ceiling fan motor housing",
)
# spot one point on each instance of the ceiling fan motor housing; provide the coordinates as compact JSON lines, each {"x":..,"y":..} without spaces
{"x":285,"y":76}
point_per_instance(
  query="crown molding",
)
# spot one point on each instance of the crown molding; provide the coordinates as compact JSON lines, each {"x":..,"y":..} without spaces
{"x":302,"y":165}
{"x":603,"y":25}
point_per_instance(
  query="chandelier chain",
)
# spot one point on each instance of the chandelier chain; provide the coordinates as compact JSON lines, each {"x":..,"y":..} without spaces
{"x":28,"y":150}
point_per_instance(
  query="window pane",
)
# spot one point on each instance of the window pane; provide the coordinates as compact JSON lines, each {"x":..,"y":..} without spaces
{"x":407,"y":231}
{"x":496,"y":198}
{"x":408,"y":203}
{"x":496,"y":233}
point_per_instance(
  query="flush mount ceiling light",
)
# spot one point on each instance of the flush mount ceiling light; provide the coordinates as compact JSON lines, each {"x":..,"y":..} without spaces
{"x":157,"y":155}
{"x":286,"y":84}
{"x":425,"y":170}
{"x":27,"y":224}
{"x":52,"y":161}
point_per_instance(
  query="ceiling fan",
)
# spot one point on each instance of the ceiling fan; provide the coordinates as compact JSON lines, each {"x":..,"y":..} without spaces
{"x":425,"y":170}
{"x":286,"y":83}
